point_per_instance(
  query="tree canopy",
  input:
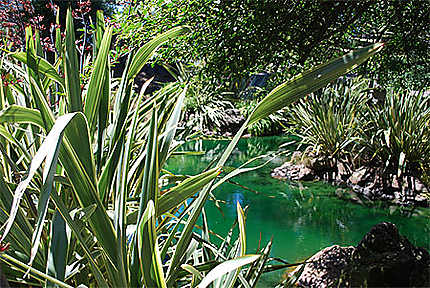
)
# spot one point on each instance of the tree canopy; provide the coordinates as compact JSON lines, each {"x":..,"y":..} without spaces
{"x":235,"y":38}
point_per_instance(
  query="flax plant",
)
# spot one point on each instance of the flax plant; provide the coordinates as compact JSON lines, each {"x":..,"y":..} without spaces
{"x":397,"y":133}
{"x":80,"y":195}
{"x":328,"y":121}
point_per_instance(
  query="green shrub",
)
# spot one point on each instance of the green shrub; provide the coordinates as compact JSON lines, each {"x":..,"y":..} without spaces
{"x":93,"y":171}
{"x":273,"y":124}
{"x":328,"y":121}
{"x":204,"y":107}
{"x":397,"y":133}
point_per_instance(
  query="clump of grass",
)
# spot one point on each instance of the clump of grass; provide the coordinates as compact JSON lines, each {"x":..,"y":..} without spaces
{"x":397,"y":133}
{"x":327,"y":121}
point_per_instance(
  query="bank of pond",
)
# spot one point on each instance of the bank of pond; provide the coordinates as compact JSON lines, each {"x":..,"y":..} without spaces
{"x":302,"y":217}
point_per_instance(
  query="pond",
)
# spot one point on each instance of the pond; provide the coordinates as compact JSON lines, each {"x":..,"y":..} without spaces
{"x":302,"y":218}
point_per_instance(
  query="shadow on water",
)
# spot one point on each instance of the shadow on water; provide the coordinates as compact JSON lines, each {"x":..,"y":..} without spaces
{"x":302,"y":217}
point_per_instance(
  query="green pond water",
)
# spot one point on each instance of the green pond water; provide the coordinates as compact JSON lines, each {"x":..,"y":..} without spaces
{"x":302,"y":218}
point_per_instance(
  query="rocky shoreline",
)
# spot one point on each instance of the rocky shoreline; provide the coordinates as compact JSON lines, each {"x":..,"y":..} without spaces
{"x":383,"y":258}
{"x":363,"y":183}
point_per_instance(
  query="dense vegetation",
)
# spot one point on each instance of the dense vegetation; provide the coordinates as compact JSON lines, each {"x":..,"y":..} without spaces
{"x":358,"y":126}
{"x":84,"y":196}
{"x":243,"y":49}
{"x":235,"y":39}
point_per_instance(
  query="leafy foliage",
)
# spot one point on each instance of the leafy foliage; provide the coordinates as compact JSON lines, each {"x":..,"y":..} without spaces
{"x":205,"y":109}
{"x":235,"y":39}
{"x":45,"y":16}
{"x":81,"y":197}
{"x":273,"y":124}
{"x":398,"y":133}
{"x":358,"y":125}
{"x":404,"y":26}
{"x":329,"y":120}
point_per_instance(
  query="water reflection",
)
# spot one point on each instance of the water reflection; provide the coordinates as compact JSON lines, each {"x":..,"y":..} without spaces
{"x":232,"y":199}
{"x":302,"y":218}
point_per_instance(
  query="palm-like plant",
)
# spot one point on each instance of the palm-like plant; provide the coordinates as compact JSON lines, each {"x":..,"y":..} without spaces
{"x":328,"y":121}
{"x":397,"y":135}
{"x":89,"y":210}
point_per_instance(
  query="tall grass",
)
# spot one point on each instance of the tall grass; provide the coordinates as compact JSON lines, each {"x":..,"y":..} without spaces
{"x":392,"y":135}
{"x":397,"y":133}
{"x":328,"y":121}
{"x":80,"y":194}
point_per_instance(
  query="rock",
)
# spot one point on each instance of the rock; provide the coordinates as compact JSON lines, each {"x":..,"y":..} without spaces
{"x":296,"y":157}
{"x":279,"y":172}
{"x":232,"y":120}
{"x":294,"y":172}
{"x":422,"y":200}
{"x":303,"y":174}
{"x":368,"y":182}
{"x":383,"y":258}
{"x":326,"y":267}
{"x":419,"y":186}
{"x":342,"y":172}
{"x":359,"y":176}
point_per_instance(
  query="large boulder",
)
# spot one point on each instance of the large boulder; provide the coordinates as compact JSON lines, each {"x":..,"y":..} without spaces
{"x":325,"y":267}
{"x":232,"y":120}
{"x":383,"y":258}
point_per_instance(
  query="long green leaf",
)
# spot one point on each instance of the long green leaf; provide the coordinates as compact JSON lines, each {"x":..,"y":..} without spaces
{"x":38,"y":43}
{"x":48,"y":178}
{"x":71,"y":68}
{"x":100,"y":30}
{"x":171,"y":126}
{"x":76,"y":157}
{"x":43,"y":67}
{"x":25,"y":228}
{"x":111,"y":164}
{"x":226,"y":267}
{"x":290,"y":91}
{"x":146,"y":51}
{"x":21,"y":114}
{"x":58,"y":41}
{"x":38,"y":98}
{"x":105,"y":98}
{"x":121,"y":105}
{"x":34,"y":271}
{"x":122,"y":192}
{"x":229,"y":279}
{"x":197,"y":276}
{"x":152,"y":272}
{"x":97,"y":80}
{"x":185,"y":190}
{"x":57,"y":253}
{"x":241,"y":169}
{"x":155,"y":260}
